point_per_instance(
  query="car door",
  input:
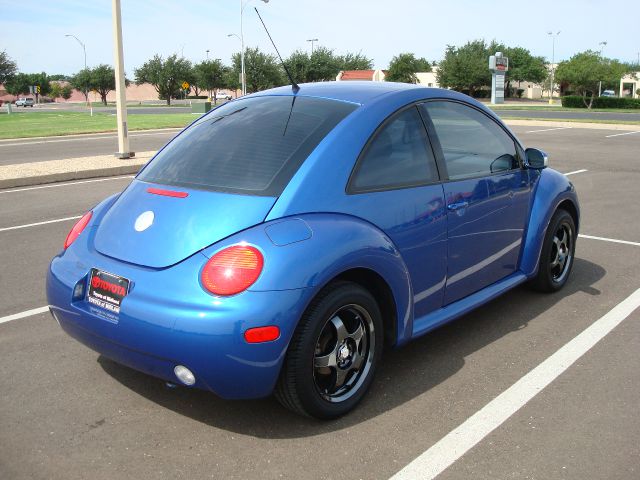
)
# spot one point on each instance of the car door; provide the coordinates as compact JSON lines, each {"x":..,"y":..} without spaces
{"x":395,"y":185}
{"x":487,"y":195}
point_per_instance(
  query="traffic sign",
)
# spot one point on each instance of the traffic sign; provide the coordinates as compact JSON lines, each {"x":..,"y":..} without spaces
{"x":185,"y":85}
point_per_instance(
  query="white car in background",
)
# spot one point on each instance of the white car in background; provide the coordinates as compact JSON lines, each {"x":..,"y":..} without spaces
{"x":223,"y":95}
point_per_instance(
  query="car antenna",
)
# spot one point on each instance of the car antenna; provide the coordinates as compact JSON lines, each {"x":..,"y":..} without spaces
{"x":294,"y":85}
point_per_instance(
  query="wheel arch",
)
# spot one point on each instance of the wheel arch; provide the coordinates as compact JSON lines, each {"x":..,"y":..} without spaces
{"x":553,"y":191}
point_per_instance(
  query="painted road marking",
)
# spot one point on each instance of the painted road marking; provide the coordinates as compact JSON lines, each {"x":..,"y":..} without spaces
{"x":604,"y":239}
{"x":620,"y":134}
{"x":54,"y":185}
{"x":576,"y":171}
{"x":28,"y":313}
{"x":17,"y":227}
{"x":548,"y":129}
{"x":93,"y":136}
{"x":462,"y":439}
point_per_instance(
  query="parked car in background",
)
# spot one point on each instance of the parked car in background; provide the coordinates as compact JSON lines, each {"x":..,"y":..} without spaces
{"x":25,"y":102}
{"x":224,"y":95}
{"x":281,"y":240}
{"x":608,"y":93}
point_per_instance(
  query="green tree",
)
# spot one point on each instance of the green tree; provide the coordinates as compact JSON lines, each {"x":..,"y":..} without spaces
{"x":524,"y":67}
{"x":262,"y":71}
{"x":354,"y":61}
{"x":403,"y":68}
{"x":322,"y":65}
{"x":81,"y":81}
{"x":56,"y":90}
{"x":8,"y":67}
{"x":18,"y":84}
{"x":466,"y":67}
{"x":66,"y":92}
{"x":210,"y":75}
{"x":103,"y":80}
{"x":166,"y":76}
{"x":584,"y":72}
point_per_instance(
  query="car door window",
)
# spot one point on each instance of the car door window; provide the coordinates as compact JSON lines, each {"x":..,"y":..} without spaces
{"x":472,"y":143}
{"x":398,"y":156}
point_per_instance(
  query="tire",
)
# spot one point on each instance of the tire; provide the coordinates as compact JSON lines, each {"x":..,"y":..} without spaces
{"x":333,"y":354}
{"x":558,"y":252}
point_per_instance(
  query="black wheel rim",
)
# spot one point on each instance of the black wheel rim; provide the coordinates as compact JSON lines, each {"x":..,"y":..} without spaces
{"x":561,"y":252}
{"x":344,"y":353}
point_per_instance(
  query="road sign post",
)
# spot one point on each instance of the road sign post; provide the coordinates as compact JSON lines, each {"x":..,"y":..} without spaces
{"x":498,"y":64}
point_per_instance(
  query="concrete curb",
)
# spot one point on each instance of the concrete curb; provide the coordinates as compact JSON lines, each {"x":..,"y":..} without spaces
{"x":558,"y":123}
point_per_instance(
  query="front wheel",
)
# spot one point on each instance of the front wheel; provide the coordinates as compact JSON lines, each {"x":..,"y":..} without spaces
{"x":333,"y":354}
{"x":556,"y":258}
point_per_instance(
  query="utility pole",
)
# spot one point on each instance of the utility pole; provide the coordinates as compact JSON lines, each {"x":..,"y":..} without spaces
{"x":312,"y":40}
{"x":553,"y":65}
{"x":121,"y":93}
{"x":602,"y":45}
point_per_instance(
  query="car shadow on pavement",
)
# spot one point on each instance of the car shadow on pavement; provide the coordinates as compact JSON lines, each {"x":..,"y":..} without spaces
{"x":404,"y":374}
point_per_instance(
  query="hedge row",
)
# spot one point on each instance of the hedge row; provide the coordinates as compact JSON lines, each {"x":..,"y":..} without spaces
{"x":575,"y":101}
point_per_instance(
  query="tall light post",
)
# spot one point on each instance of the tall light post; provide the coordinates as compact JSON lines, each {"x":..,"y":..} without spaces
{"x":312,"y":40}
{"x":601,"y":45}
{"x":84,"y":49}
{"x":241,"y":60}
{"x":121,"y":95}
{"x":553,"y":63}
{"x":207,"y":54}
{"x":243,"y":4}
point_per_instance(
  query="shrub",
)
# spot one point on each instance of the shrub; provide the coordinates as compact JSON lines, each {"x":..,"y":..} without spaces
{"x":575,"y":101}
{"x":519,"y":92}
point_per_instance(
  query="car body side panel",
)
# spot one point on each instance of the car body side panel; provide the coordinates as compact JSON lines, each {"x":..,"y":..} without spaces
{"x":550,"y":190}
{"x":337,"y":243}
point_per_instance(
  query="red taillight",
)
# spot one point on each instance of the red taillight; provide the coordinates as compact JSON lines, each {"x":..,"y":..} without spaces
{"x":262,"y":334}
{"x":232,"y":270}
{"x":77,"y":229}
{"x":167,"y":193}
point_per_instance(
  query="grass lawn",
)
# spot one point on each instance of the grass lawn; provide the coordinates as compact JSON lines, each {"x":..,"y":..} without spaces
{"x":45,"y":124}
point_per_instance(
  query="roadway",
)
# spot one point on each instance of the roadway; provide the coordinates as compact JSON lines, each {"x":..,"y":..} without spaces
{"x":68,"y":413}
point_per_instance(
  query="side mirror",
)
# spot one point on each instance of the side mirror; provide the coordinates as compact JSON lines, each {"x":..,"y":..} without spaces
{"x":535,"y":158}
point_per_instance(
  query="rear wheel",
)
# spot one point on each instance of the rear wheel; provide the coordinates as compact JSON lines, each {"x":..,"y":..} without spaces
{"x":557,"y":254}
{"x":333,"y":354}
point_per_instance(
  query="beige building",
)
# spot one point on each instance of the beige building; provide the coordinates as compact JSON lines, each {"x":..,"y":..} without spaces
{"x":630,"y":85}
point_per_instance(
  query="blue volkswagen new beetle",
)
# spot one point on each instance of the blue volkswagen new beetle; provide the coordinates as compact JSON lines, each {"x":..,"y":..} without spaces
{"x":278,"y":243}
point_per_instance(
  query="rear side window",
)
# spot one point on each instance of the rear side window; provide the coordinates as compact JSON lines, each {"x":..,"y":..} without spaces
{"x":472,"y":143}
{"x":251,"y":146}
{"x":398,"y":156}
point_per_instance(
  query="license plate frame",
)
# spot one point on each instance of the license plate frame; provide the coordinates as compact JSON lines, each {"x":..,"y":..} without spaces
{"x":107,"y":290}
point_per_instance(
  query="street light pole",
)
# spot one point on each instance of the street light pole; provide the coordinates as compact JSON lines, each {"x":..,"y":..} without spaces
{"x":86,"y":92}
{"x":121,"y":93}
{"x":207,"y":55}
{"x":553,"y":61}
{"x":242,"y":72}
{"x":602,"y":45}
{"x":312,"y":40}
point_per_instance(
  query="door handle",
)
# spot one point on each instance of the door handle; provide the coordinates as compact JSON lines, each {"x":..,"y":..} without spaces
{"x":457,"y":206}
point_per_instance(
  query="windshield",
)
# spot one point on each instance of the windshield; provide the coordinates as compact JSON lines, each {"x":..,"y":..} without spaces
{"x":251,"y":146}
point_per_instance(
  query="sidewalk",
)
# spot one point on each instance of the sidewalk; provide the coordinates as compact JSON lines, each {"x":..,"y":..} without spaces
{"x":36,"y":173}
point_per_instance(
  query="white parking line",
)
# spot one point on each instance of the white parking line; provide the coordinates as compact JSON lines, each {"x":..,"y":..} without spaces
{"x":576,"y":171}
{"x":614,"y":240}
{"x":17,"y":227}
{"x":54,"y":185}
{"x":620,"y":134}
{"x":28,"y":313}
{"x":549,"y":129}
{"x":462,"y":439}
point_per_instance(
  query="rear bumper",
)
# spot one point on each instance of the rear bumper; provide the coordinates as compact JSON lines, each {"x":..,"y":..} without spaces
{"x":153,"y":332}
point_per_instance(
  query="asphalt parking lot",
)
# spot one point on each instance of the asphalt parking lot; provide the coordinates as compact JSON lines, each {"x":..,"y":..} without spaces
{"x":67,"y":413}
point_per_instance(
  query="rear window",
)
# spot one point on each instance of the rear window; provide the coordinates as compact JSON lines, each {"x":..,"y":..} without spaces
{"x":251,"y":146}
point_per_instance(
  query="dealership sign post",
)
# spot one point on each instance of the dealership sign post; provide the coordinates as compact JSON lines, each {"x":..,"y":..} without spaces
{"x":498,"y":66}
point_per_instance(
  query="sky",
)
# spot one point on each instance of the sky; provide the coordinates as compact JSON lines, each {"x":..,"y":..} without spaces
{"x":33,"y":32}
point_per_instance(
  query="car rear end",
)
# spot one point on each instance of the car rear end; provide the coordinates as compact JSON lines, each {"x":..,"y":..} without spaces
{"x":159,"y":277}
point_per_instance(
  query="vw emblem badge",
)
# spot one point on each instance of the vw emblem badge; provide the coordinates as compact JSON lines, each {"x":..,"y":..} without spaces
{"x":144,"y":221}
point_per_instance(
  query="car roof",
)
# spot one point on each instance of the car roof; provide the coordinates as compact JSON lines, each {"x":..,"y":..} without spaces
{"x":351,"y":91}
